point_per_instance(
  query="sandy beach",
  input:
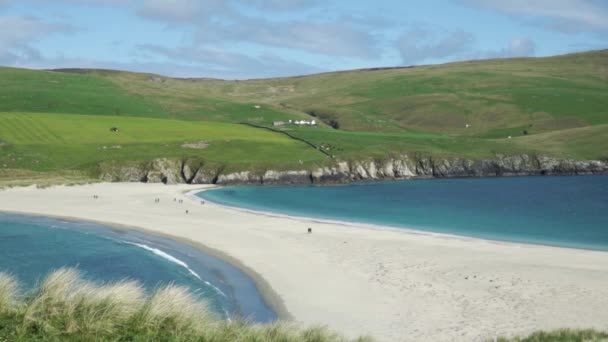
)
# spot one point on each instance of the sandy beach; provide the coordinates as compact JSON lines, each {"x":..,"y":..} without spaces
{"x":392,"y":285}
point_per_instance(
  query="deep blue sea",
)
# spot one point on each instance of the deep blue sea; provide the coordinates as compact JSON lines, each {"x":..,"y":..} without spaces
{"x":561,"y":211}
{"x":31,"y":247}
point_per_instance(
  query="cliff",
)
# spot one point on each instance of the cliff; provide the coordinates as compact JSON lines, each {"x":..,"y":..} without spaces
{"x":190,"y":171}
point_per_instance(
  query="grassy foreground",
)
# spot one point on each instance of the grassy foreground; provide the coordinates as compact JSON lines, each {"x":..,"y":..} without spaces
{"x":67,"y":308}
{"x":565,"y":335}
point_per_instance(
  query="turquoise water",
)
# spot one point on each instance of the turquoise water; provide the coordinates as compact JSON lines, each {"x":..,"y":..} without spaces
{"x":562,"y":211}
{"x":31,"y":247}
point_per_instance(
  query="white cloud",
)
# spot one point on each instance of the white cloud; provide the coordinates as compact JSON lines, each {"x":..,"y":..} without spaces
{"x":560,"y":15}
{"x":423,"y":45}
{"x":516,"y":47}
{"x":520,"y":47}
{"x":227,"y":64}
{"x":179,"y":11}
{"x":17,"y":33}
{"x":217,"y":23}
{"x":282,"y":4}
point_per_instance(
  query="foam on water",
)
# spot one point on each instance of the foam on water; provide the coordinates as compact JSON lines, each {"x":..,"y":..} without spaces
{"x":32,"y":247}
{"x":178,"y":262}
{"x":166,"y":256}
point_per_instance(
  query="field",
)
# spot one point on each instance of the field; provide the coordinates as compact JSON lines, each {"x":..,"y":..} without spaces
{"x":49,"y":142}
{"x":56,"y":121}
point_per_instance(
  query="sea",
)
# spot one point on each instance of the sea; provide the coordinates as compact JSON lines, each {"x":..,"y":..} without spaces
{"x":31,"y":247}
{"x":564,"y":211}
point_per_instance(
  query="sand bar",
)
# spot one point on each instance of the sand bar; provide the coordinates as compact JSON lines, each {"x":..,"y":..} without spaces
{"x":395,"y":286}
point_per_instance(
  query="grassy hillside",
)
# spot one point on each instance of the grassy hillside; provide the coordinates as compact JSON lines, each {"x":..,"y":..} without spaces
{"x":495,"y":97}
{"x":115,"y":93}
{"x":48,"y":142}
{"x":60,"y":120}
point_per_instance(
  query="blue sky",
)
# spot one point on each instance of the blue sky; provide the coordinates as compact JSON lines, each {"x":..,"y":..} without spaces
{"x":266,"y":38}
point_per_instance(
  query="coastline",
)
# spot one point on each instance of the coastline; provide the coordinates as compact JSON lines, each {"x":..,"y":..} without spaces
{"x":269,"y":296}
{"x":371,"y":226}
{"x":415,"y":286}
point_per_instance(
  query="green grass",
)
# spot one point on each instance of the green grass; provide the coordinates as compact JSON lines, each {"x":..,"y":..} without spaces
{"x":492,"y":94}
{"x":565,"y":335}
{"x":124,"y":94}
{"x":57,"y":121}
{"x":548,"y":93}
{"x":51,"y":142}
{"x":67,"y":308}
{"x":353,"y":145}
{"x":51,"y":92}
{"x":577,"y":143}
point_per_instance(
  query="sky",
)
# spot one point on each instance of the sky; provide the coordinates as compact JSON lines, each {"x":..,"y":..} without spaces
{"x":242,"y":39}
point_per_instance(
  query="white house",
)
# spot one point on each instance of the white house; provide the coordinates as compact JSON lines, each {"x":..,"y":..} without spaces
{"x":305,"y":122}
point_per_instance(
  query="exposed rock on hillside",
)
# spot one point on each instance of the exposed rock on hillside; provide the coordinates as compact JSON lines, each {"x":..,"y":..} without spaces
{"x":196,"y":172}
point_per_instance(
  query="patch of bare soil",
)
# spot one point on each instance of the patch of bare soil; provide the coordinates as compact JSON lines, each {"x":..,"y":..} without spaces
{"x":196,"y":145}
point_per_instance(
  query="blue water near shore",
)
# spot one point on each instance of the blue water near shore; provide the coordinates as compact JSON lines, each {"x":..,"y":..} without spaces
{"x":559,"y":211}
{"x":31,"y":247}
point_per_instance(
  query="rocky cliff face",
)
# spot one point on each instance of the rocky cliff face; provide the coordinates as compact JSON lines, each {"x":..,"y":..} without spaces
{"x":196,"y":172}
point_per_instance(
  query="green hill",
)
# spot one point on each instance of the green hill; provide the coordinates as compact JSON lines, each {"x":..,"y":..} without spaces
{"x":60,"y":120}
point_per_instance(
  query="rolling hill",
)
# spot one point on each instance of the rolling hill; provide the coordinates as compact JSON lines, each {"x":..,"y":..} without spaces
{"x":60,"y":120}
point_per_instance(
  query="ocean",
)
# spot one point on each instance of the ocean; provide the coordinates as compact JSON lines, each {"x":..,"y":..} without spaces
{"x":568,"y":211}
{"x":31,"y":247}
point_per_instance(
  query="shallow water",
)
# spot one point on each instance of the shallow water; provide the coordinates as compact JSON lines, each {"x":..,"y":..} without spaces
{"x":562,"y":211}
{"x":31,"y":247}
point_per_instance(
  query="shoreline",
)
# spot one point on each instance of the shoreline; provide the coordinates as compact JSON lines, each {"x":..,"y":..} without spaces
{"x":418,"y":286}
{"x":378,"y":227}
{"x":269,"y":296}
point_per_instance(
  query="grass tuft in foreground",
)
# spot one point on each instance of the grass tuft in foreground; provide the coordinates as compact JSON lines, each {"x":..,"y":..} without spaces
{"x":65,"y":307}
{"x":563,"y":335}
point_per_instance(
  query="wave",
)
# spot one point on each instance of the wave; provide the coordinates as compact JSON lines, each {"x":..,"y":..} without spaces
{"x":177,"y":261}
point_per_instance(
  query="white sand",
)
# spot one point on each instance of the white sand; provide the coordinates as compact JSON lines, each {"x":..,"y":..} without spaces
{"x":392,"y":285}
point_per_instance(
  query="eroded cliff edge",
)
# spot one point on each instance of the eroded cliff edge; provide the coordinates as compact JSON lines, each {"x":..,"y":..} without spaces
{"x":194,"y":171}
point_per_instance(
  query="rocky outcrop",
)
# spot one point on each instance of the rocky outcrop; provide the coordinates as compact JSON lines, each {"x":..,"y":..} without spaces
{"x":167,"y":171}
{"x":132,"y":172}
{"x":239,"y":178}
{"x":286,"y":177}
{"x":170,"y":171}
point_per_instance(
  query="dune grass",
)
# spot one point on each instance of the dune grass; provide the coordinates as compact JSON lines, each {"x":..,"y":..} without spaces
{"x":564,"y":335}
{"x":65,"y":307}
